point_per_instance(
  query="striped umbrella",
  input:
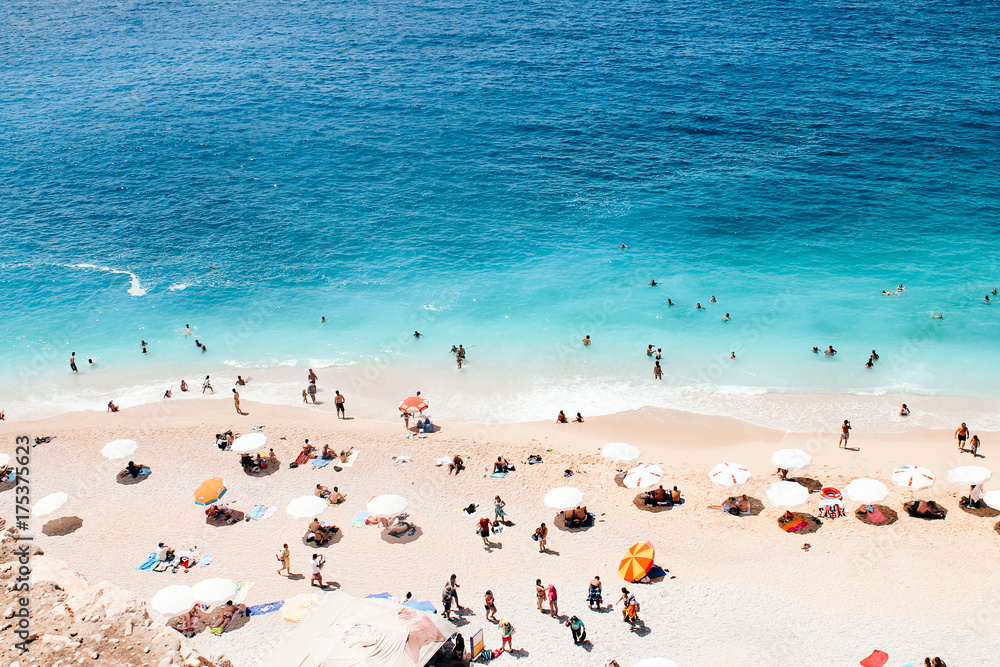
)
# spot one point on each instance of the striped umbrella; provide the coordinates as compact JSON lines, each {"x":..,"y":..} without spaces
{"x":729,"y":474}
{"x":637,"y":562}
{"x":295,"y":609}
{"x":912,"y":477}
{"x":210,"y":491}
{"x":643,"y":476}
{"x":413,"y":404}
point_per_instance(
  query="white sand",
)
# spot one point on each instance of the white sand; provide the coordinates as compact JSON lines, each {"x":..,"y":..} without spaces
{"x":745,"y":592}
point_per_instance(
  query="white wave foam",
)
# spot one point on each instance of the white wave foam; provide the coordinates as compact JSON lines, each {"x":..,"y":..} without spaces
{"x":176,"y":287}
{"x":135,"y":287}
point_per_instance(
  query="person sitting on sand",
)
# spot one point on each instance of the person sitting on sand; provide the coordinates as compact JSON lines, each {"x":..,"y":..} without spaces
{"x":675,"y":496}
{"x":322,"y":491}
{"x":307,"y":450}
{"x":190,"y":621}
{"x":327,"y":453}
{"x":220,"y":512}
{"x":501,"y":465}
{"x":336,"y":497}
{"x":132,"y":469}
{"x":925,"y":509}
{"x":579,"y":418}
{"x":561,"y":419}
{"x":164,"y":552}
{"x":112,"y":407}
{"x":744,"y":504}
{"x":457,"y":465}
{"x":187,"y":559}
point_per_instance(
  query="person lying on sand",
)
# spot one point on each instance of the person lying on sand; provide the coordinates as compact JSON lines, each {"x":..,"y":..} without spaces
{"x":400,"y":527}
{"x":322,"y":491}
{"x":345,"y":454}
{"x":226,"y":614}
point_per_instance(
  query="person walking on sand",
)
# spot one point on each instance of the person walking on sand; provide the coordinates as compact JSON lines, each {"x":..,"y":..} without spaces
{"x":540,"y":534}
{"x":657,"y":371}
{"x":491,"y":607}
{"x":577,"y":630}
{"x":962,"y":434}
{"x":484,"y":531}
{"x":286,"y":560}
{"x":506,"y":635}
{"x":207,"y":384}
{"x":339,"y":401}
{"x":453,"y":582}
{"x":72,"y":362}
{"x":540,"y":595}
{"x":236,"y":400}
{"x":845,"y":434}
{"x":973,"y":444}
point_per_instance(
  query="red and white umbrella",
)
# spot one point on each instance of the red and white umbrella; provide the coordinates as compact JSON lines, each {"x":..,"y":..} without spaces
{"x":912,"y":477}
{"x":729,"y":474}
{"x":643,"y":476}
{"x":413,"y":404}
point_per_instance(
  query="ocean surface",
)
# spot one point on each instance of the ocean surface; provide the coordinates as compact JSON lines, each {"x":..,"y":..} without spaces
{"x":470,"y":170}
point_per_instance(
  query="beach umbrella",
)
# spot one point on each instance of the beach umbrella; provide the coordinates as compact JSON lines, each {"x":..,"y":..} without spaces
{"x":249,"y":442}
{"x":307,"y":506}
{"x":412,"y":404}
{"x":421,"y":605}
{"x":173,"y":600}
{"x":992,"y":498}
{"x":636,"y":562}
{"x":787,"y":495}
{"x":655,"y":662}
{"x":4,"y":459}
{"x":729,"y":474}
{"x":643,"y":476}
{"x":969,"y":475}
{"x":866,"y":491}
{"x":119,"y":449}
{"x":387,"y":505}
{"x":296,"y":608}
{"x":619,"y":452}
{"x":912,"y":477}
{"x":213,"y":591}
{"x":564,"y":498}
{"x":792,"y":460}
{"x":49,"y":504}
{"x":210,"y":491}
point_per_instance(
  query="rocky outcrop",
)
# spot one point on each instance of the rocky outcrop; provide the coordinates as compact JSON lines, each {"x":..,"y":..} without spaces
{"x":76,"y":623}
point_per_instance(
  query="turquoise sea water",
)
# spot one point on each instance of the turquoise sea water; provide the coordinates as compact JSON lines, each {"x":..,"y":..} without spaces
{"x":470,"y":170}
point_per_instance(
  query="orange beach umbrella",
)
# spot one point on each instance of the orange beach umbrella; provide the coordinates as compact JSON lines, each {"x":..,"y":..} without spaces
{"x":413,"y":404}
{"x":210,"y":491}
{"x":637,"y":562}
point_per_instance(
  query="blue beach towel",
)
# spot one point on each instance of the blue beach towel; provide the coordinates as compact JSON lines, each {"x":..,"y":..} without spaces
{"x":499,"y":475}
{"x":655,"y":572}
{"x":422,"y":605}
{"x":256,"y":512}
{"x":149,"y":562}
{"x":359,"y":519}
{"x":265,"y":608}
{"x":205,"y":560}
{"x":319,"y":463}
{"x":384,"y":596}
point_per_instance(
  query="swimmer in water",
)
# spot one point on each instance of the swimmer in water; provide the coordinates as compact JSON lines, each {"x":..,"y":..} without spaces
{"x":649,"y":350}
{"x":874,"y":355}
{"x":653,"y":283}
{"x":815,"y":350}
{"x":144,"y":351}
{"x":830,"y":351}
{"x":732,"y":355}
{"x":939,"y":316}
{"x":91,"y":362}
{"x":184,"y":385}
{"x":143,"y":344}
{"x":586,"y":339}
{"x":187,"y":329}
{"x":726,"y":318}
{"x":884,"y":293}
{"x":987,"y":298}
{"x":698,"y":306}
{"x":870,"y":363}
{"x":713,"y":300}
{"x":623,"y":247}
{"x":417,"y":334}
{"x":900,"y":289}
{"x":670,"y":303}
{"x":322,"y":320}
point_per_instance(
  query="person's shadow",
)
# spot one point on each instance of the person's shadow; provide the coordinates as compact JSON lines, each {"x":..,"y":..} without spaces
{"x":551,"y":552}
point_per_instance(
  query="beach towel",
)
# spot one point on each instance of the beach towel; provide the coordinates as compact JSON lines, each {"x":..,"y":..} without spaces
{"x":499,"y":475}
{"x":144,"y":471}
{"x":161,"y":566}
{"x":875,"y":515}
{"x":242,"y":588}
{"x":442,"y":461}
{"x":351,"y":459}
{"x":795,"y":525}
{"x":205,"y":560}
{"x":656,"y":573}
{"x":876,"y":659}
{"x":301,"y":459}
{"x":148,"y":563}
{"x":402,"y":459}
{"x":321,"y":463}
{"x":359,"y":519}
{"x":256,"y":512}
{"x":265,"y":608}
{"x":270,"y":512}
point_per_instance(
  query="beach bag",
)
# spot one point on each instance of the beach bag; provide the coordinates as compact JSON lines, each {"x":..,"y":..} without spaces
{"x":534,"y":536}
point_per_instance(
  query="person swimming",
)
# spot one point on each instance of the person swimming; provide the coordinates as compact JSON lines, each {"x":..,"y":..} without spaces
{"x":726,"y":318}
{"x":586,"y":339}
{"x":649,"y":350}
{"x":830,"y":351}
{"x":653,"y":283}
{"x":698,"y":306}
{"x":670,"y":303}
{"x":815,"y":350}
{"x":713,"y":299}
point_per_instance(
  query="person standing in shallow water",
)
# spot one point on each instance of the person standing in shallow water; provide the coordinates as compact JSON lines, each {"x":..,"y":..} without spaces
{"x":657,"y":371}
{"x":72,"y":362}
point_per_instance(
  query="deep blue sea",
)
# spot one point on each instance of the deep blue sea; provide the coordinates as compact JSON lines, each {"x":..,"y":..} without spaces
{"x":470,"y":170}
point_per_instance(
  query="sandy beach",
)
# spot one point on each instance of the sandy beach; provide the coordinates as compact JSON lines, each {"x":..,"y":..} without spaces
{"x":739,"y":590}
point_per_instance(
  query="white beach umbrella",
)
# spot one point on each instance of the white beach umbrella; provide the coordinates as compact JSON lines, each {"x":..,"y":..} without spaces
{"x":729,"y":474}
{"x":969,"y":475}
{"x":386,"y":505}
{"x":213,"y":591}
{"x":787,"y":495}
{"x":792,"y":460}
{"x":912,"y":477}
{"x":992,"y":498}
{"x":619,"y":452}
{"x":250,"y":442}
{"x":173,"y":600}
{"x":564,"y":498}
{"x":306,"y":506}
{"x":866,"y":491}
{"x":119,"y":449}
{"x":49,"y":504}
{"x":655,"y":662}
{"x":643,"y":476}
{"x":4,"y":459}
